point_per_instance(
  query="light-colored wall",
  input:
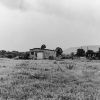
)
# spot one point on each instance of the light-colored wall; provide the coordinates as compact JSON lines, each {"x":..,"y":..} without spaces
{"x":49,"y":53}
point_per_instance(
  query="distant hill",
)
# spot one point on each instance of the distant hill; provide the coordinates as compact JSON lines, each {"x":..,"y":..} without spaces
{"x":90,"y":47}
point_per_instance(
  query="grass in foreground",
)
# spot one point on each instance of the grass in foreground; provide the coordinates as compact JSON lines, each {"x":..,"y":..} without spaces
{"x":50,"y":80}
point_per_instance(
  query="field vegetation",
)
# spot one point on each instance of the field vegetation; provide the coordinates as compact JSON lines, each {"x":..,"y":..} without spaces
{"x":49,"y":80}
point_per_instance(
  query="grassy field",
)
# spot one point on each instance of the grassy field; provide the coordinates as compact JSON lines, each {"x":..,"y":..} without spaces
{"x":49,"y":80}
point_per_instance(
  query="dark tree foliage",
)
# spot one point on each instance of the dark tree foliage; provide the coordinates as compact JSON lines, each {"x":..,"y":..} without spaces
{"x":80,"y":52}
{"x":26,"y":55}
{"x":72,"y":55}
{"x":90,"y":54}
{"x":59,"y":51}
{"x":97,"y":55}
{"x":10,"y":56}
{"x":2,"y":52}
{"x":43,"y":46}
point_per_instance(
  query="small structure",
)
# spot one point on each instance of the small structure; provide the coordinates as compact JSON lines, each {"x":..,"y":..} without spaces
{"x":38,"y":53}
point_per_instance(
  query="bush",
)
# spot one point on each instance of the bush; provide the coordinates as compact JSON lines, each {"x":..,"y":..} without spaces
{"x":51,"y":58}
{"x":10,"y":56}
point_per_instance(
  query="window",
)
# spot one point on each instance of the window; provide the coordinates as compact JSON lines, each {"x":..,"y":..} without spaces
{"x":32,"y":53}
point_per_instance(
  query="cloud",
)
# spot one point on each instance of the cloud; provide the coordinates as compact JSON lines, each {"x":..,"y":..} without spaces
{"x":62,"y":21}
{"x":15,"y":4}
{"x":84,"y":10}
{"x":69,"y":9}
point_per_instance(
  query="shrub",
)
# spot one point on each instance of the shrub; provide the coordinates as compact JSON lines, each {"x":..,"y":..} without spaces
{"x":51,"y":58}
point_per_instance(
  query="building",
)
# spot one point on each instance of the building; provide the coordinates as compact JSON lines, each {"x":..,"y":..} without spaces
{"x":38,"y":53}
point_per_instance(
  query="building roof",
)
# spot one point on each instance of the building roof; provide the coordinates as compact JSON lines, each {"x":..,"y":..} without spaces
{"x":41,"y":49}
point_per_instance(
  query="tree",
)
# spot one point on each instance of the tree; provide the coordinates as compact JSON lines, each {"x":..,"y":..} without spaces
{"x":43,"y":46}
{"x":72,"y":55}
{"x":98,"y":54}
{"x":90,"y":54}
{"x":10,"y":56}
{"x":26,"y":55}
{"x":59,"y":51}
{"x":80,"y":52}
{"x":2,"y":52}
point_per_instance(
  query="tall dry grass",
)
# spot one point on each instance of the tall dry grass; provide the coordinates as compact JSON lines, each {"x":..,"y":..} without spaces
{"x":49,"y":80}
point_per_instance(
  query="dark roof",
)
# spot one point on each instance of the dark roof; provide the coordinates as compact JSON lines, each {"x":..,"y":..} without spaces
{"x":41,"y":49}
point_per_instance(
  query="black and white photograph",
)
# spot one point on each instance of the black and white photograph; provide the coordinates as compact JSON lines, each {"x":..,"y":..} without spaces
{"x":49,"y":49}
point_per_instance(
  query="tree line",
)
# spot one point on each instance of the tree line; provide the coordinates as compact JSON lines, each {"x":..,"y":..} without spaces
{"x":89,"y":54}
{"x":13,"y":54}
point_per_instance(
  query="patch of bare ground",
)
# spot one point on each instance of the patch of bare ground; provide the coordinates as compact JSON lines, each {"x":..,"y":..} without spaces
{"x":49,"y":80}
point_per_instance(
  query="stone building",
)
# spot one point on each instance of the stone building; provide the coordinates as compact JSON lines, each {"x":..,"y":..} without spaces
{"x":38,"y":53}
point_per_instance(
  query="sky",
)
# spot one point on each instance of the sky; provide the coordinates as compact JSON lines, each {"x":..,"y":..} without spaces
{"x":27,"y":24}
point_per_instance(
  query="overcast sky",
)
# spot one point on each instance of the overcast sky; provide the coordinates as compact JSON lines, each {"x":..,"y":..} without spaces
{"x":26,"y":24}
